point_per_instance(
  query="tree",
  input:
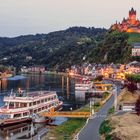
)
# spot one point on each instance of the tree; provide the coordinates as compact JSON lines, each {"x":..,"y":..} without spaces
{"x":132,"y":80}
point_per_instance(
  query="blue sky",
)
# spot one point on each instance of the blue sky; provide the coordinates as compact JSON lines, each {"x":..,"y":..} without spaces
{"x":21,"y":17}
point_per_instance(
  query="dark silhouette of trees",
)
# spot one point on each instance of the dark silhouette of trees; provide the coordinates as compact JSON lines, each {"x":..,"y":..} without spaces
{"x":132,"y":80}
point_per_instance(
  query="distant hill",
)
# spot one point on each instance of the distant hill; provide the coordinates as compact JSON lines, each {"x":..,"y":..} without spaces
{"x":56,"y":49}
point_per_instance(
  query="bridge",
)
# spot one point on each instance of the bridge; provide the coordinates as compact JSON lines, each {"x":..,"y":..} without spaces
{"x":68,"y":114}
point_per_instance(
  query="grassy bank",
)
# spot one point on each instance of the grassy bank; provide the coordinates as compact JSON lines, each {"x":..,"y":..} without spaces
{"x":133,"y":38}
{"x":68,"y":129}
{"x":106,"y":126}
{"x":105,"y":130}
{"x":71,"y":127}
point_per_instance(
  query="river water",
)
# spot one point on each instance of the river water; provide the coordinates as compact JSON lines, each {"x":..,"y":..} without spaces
{"x":64,"y":86}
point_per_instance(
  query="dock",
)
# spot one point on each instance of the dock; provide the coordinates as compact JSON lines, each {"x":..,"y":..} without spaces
{"x":68,"y":114}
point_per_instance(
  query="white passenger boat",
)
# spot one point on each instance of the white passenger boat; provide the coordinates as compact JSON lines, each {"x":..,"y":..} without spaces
{"x":21,"y":107}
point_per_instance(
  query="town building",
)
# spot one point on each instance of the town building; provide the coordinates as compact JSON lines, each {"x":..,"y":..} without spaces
{"x":29,"y":58}
{"x":131,"y":24}
{"x":136,"y":49}
{"x":34,"y":69}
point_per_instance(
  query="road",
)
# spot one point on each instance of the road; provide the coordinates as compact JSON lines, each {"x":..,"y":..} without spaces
{"x":91,"y":130}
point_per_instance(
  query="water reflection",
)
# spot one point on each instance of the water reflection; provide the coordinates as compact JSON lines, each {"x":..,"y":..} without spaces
{"x":64,"y":86}
{"x":23,"y":131}
{"x":3,"y":84}
{"x":68,"y":88}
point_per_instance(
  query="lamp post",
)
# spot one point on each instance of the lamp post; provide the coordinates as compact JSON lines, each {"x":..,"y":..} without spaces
{"x":115,"y":98}
{"x":91,"y":104}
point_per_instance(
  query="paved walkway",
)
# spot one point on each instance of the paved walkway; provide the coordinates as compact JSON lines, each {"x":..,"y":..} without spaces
{"x":91,"y":130}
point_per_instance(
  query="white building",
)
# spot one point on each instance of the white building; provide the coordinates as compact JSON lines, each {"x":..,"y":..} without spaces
{"x":136,"y":49}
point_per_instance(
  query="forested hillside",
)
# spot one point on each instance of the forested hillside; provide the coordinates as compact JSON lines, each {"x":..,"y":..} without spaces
{"x":114,"y":48}
{"x":61,"y":48}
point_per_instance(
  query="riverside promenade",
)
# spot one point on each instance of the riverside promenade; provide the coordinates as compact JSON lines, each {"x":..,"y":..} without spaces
{"x":91,"y":129}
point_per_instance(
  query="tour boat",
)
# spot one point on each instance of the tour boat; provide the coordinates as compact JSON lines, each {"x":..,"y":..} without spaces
{"x":22,"y":107}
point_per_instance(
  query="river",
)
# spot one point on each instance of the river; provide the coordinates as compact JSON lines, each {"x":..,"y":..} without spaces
{"x":64,"y":86}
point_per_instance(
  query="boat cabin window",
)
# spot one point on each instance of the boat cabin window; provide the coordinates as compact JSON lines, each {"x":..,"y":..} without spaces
{"x":25,"y":114}
{"x":11,"y":104}
{"x":46,"y":107}
{"x":42,"y":101}
{"x":46,"y":100}
{"x":34,"y":103}
{"x":23,"y":104}
{"x":35,"y":111}
{"x":16,"y":131}
{"x":39,"y":109}
{"x":30,"y":104}
{"x":17,"y":115}
{"x":25,"y":128}
{"x":38,"y":102}
{"x":42,"y":108}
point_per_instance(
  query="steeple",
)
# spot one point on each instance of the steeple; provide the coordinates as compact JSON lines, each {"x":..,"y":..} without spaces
{"x":132,"y":16}
{"x":132,"y":11}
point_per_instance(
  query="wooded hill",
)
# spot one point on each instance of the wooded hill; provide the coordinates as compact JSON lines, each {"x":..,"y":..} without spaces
{"x":62,"y":49}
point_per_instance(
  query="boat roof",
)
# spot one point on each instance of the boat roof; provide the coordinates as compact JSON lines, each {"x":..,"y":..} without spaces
{"x":31,"y":96}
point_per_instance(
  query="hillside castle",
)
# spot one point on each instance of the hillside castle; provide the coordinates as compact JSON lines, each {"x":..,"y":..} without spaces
{"x":131,"y":24}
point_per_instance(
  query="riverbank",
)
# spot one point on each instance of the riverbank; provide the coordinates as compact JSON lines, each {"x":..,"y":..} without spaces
{"x":71,"y":127}
{"x":48,"y":72}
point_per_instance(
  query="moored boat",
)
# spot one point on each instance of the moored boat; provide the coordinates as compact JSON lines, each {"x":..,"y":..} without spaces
{"x":21,"y":106}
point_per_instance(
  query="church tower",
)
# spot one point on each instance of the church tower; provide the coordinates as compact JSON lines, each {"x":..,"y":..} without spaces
{"x":132,"y":16}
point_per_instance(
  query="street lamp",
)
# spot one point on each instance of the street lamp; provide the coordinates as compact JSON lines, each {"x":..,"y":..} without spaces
{"x":115,"y":97}
{"x":91,"y":104}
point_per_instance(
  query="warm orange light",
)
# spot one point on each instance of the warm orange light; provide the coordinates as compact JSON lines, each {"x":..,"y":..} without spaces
{"x":71,"y":73}
{"x":129,"y":30}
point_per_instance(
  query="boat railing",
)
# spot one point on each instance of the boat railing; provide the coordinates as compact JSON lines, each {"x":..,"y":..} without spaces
{"x":18,"y":98}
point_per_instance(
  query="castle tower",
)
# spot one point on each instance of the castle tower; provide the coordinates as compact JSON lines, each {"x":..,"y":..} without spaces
{"x":132,"y":16}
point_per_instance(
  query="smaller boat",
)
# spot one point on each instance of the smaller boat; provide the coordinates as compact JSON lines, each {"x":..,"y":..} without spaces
{"x":84,"y":85}
{"x":37,"y":119}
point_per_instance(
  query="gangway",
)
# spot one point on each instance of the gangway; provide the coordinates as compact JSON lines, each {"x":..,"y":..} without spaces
{"x":68,"y":114}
